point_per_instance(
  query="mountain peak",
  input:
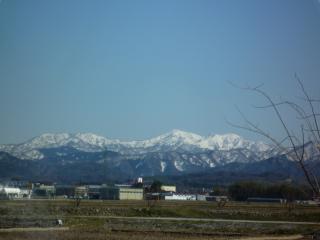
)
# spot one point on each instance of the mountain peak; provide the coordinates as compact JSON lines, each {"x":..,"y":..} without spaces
{"x":178,"y":131}
{"x":182,"y":134}
{"x":180,"y":137}
{"x":226,"y":135}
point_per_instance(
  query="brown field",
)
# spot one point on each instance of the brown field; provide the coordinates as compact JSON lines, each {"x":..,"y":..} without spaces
{"x":36,"y":219}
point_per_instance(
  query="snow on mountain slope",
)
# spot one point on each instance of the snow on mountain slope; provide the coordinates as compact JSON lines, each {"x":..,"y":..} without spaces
{"x":176,"y":140}
{"x":82,"y":141}
{"x":173,"y":138}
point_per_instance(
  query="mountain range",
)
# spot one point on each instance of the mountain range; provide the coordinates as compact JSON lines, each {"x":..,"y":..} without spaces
{"x":176,"y":140}
{"x":67,"y":157}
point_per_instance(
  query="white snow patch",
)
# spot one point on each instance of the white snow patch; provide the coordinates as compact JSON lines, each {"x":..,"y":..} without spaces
{"x":179,"y":166}
{"x":212,"y":165}
{"x":163,"y":166}
{"x":139,"y":164}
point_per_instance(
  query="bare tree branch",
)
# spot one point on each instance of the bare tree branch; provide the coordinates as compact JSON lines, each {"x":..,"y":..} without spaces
{"x":298,"y":148}
{"x":311,"y":116}
{"x":310,"y":104}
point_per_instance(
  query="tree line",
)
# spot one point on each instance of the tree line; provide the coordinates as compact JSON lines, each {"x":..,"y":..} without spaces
{"x":241,"y":191}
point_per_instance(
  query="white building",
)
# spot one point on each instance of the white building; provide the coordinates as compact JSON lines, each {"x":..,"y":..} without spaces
{"x":10,"y":192}
{"x":184,"y":197}
{"x":14,"y":193}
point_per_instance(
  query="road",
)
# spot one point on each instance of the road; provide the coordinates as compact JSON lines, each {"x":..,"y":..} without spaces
{"x":291,"y":237}
{"x":34,"y":229}
{"x":202,"y":220}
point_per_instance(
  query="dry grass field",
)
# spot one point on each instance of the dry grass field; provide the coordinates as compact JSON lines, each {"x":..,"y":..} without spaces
{"x":36,"y":219}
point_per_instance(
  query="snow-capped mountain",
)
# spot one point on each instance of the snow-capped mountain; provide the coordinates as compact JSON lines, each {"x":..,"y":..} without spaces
{"x":82,"y":141}
{"x":70,"y":157}
{"x":176,"y":140}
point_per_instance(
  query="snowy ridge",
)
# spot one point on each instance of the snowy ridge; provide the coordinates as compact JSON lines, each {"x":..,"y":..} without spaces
{"x":176,"y":140}
{"x":180,"y":139}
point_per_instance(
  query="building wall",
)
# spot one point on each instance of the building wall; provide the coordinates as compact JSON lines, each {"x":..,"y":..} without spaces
{"x":131,"y":194}
{"x":121,"y":193}
{"x":81,"y":191}
{"x":201,"y":197}
{"x":168,"y":188}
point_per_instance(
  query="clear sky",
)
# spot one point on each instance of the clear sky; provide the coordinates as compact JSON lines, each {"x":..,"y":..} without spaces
{"x":136,"y":69}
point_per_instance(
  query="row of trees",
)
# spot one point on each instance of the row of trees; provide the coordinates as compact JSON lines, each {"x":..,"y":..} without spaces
{"x":243,"y":190}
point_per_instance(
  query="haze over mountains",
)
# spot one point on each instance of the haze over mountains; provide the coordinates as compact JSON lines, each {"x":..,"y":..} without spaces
{"x":70,"y":157}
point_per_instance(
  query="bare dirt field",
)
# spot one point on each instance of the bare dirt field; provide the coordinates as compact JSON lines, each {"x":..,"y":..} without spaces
{"x":36,"y":219}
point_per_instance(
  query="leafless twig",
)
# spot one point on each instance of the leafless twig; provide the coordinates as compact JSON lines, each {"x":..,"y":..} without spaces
{"x":297,"y":144}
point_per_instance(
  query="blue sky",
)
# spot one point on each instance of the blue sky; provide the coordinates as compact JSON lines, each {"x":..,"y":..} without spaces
{"x":136,"y":69}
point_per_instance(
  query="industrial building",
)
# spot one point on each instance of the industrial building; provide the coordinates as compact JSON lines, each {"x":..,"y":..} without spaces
{"x":40,"y":190}
{"x":168,"y":188}
{"x":81,"y":192}
{"x":121,"y":193}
